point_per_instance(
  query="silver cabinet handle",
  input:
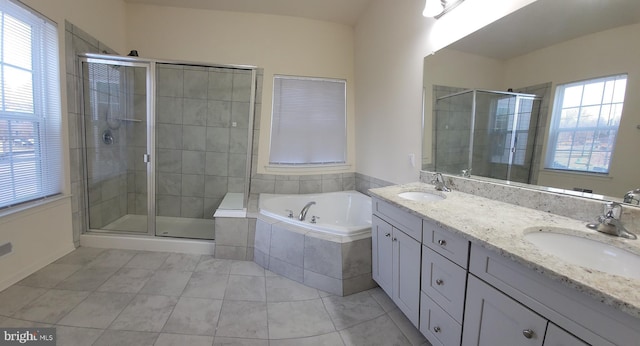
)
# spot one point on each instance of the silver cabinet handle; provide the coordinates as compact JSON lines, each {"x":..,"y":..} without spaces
{"x":387,"y":234}
{"x":436,"y":329}
{"x":394,"y":239}
{"x":439,"y":282}
{"x":442,"y":242}
{"x":528,"y":333}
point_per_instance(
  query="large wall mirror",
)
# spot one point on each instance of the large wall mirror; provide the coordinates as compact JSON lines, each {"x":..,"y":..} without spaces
{"x":490,"y":98}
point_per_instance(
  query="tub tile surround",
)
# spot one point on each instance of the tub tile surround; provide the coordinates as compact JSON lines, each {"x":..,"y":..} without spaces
{"x":500,"y":227}
{"x":336,"y":264}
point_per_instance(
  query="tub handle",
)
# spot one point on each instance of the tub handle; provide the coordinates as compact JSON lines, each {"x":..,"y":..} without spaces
{"x":314,"y":218}
{"x":289,"y":213}
{"x":387,"y":235}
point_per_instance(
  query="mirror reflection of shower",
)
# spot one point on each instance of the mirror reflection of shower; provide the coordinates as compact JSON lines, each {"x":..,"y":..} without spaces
{"x":490,"y":133}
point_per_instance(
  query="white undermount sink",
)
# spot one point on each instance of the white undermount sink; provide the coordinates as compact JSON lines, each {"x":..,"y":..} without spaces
{"x":421,"y":196}
{"x":587,"y":253}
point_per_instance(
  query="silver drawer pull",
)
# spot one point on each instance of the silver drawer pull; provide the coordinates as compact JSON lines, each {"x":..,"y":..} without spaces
{"x":439,"y":282}
{"x":394,"y":239}
{"x":436,"y":329}
{"x":387,"y":234}
{"x":442,"y":242}
{"x":528,"y":333}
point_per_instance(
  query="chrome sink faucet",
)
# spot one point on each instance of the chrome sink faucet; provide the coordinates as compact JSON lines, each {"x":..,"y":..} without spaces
{"x":305,"y":209}
{"x":610,"y":223}
{"x":438,"y":181}
{"x":632,"y":196}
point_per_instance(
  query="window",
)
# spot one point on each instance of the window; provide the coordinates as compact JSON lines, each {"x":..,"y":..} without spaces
{"x":30,"y":143}
{"x":507,"y":140}
{"x":584,"y":126}
{"x":308,"y":124}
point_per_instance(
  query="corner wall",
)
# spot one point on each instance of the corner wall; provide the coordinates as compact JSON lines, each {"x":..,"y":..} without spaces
{"x":42,"y":234}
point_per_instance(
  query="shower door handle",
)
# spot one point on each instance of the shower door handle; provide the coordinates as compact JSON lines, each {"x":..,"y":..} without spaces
{"x":146,"y":158}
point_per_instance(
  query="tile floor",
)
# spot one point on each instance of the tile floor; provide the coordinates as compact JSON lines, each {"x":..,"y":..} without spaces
{"x":122,"y":297}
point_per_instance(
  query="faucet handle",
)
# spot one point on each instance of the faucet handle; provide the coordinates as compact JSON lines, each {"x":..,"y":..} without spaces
{"x":613,"y":210}
{"x":314,"y":218}
{"x":289,"y":213}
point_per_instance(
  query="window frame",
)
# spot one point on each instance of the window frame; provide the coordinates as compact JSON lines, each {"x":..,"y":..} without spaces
{"x":45,"y":114}
{"x":277,"y":166}
{"x":556,"y":118}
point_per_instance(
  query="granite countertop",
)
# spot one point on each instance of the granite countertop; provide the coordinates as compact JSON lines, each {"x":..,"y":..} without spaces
{"x":501,"y":227}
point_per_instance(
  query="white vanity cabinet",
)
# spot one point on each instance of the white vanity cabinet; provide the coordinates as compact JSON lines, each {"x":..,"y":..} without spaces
{"x":573,"y":318}
{"x":556,"y":336}
{"x":396,"y":256}
{"x":492,"y":318}
{"x":444,"y":281}
{"x":458,"y":292}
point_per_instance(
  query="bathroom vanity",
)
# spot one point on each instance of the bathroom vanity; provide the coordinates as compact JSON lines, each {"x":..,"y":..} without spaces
{"x":463,"y":272}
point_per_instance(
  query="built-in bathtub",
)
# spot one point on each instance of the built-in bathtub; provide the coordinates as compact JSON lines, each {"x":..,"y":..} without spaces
{"x":333,"y":254}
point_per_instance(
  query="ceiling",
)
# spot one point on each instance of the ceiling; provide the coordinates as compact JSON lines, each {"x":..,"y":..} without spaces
{"x":338,"y":11}
{"x":547,"y":22}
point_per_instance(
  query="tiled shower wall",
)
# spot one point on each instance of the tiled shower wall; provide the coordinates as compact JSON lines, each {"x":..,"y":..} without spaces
{"x":76,"y":42}
{"x":452,"y":121}
{"x":107,"y":106}
{"x":202,"y":137}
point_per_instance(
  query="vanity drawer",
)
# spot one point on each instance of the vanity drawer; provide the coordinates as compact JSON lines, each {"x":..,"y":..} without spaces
{"x":445,"y":243}
{"x":444,"y":282}
{"x":404,"y":221}
{"x":436,"y":325}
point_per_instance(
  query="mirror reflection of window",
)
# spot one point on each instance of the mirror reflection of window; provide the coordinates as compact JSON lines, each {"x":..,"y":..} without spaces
{"x":584,"y":126}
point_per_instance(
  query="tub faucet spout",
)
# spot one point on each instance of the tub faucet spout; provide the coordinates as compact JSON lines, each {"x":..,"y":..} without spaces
{"x":305,"y":209}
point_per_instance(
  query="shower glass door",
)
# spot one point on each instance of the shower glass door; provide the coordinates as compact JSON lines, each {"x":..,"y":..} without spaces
{"x":115,"y":136}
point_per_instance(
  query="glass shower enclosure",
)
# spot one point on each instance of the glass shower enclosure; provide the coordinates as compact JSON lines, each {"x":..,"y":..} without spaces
{"x":492,"y":133}
{"x":164,"y":143}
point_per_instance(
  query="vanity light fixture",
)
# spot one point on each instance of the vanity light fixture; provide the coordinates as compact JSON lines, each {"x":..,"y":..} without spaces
{"x":438,"y":8}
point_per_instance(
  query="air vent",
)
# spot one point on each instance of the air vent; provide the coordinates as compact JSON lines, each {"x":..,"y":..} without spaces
{"x":5,"y":249}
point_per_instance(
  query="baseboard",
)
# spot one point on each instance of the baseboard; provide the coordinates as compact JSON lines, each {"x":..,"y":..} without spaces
{"x":34,"y":267}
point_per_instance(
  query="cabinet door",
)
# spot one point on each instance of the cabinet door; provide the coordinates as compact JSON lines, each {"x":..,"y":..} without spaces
{"x":406,"y":275}
{"x":557,"y":336}
{"x":382,"y":251}
{"x":492,"y":318}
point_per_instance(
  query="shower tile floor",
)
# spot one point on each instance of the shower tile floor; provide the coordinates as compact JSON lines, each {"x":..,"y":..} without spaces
{"x":122,"y":297}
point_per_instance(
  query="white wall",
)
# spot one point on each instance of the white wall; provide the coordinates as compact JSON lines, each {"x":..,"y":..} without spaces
{"x":392,"y":38}
{"x":42,"y":234}
{"x":279,"y":44}
{"x":605,"y":53}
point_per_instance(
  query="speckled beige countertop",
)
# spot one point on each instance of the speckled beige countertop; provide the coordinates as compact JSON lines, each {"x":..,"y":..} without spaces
{"x":501,"y":227}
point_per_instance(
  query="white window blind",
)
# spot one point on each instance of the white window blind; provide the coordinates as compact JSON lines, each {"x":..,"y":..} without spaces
{"x":308,"y":125}
{"x":30,"y":123}
{"x":584,"y":126}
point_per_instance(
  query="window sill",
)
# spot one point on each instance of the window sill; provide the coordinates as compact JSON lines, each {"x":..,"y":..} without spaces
{"x":29,"y":208}
{"x":307,"y":168}
{"x":603,"y":176}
